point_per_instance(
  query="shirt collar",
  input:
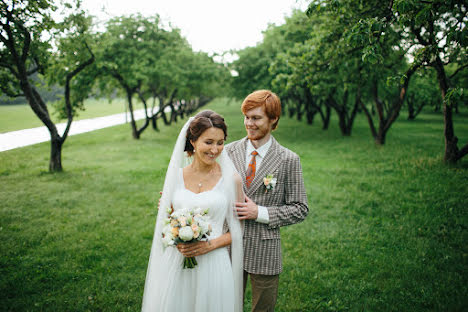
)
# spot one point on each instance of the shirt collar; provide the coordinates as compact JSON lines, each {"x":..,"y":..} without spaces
{"x":262,"y":150}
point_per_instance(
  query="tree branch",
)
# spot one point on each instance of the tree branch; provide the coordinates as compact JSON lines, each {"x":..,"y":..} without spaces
{"x":12,"y":70}
{"x":401,"y":98}
{"x":32,"y":71}
{"x":463,"y":152}
{"x":458,"y":69}
{"x":417,"y":33}
{"x":9,"y":93}
{"x":69,"y":77}
{"x":388,"y":17}
{"x":369,"y":119}
{"x":145,"y":106}
{"x":10,"y":43}
{"x":378,"y":103}
{"x":41,"y":103}
{"x":27,"y":42}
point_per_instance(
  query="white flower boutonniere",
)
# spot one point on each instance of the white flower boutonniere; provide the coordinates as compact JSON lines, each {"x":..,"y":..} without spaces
{"x":270,"y":182}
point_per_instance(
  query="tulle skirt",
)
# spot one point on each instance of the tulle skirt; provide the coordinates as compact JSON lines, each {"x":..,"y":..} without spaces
{"x":207,"y":287}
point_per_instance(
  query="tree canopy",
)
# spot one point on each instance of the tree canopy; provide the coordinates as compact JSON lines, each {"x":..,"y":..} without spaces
{"x":351,"y":56}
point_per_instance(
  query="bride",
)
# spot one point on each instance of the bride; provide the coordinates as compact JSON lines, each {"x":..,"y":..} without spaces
{"x":203,"y":177}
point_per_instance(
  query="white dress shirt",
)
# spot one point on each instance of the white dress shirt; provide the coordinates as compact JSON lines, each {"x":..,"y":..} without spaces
{"x":263,"y":216}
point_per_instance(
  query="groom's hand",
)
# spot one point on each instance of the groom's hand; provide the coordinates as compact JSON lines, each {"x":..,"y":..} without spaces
{"x":247,"y":210}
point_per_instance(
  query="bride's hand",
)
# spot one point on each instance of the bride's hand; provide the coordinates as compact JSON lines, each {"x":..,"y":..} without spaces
{"x":194,"y":249}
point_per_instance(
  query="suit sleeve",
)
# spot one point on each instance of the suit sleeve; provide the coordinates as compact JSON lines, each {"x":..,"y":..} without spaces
{"x":295,"y":208}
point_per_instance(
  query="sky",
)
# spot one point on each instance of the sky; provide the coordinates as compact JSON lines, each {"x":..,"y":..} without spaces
{"x":212,"y":26}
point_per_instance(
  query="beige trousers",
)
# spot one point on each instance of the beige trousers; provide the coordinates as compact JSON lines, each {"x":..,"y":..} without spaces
{"x":264,"y":291}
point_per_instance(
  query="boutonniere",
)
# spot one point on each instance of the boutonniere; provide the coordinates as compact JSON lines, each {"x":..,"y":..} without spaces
{"x":270,"y":182}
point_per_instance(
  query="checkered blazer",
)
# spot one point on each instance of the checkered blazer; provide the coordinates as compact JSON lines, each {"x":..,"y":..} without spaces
{"x":286,"y":204}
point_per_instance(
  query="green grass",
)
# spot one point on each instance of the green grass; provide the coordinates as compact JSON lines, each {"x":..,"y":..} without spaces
{"x":387,"y":227}
{"x":17,"y":117}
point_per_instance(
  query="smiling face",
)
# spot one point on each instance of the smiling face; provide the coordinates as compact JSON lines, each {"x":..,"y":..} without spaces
{"x":257,"y":123}
{"x":209,"y":145}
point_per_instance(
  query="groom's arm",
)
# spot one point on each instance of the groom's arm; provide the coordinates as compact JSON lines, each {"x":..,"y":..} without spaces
{"x":295,"y":208}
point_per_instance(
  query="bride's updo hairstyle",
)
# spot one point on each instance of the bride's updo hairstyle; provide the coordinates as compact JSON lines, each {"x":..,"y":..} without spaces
{"x":202,"y":121}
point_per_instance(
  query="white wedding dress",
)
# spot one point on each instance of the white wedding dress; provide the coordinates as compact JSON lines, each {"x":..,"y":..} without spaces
{"x":215,"y":284}
{"x":209,"y":286}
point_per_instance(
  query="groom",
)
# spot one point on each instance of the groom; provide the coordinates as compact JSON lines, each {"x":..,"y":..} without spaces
{"x":275,"y":195}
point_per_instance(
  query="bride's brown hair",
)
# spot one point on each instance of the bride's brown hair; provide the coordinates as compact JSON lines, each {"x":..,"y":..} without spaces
{"x":202,"y":121}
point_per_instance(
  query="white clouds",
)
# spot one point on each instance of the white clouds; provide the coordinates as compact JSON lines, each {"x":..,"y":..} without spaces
{"x":209,"y":25}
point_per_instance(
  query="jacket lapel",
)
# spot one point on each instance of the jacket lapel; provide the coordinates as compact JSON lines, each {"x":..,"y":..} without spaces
{"x":269,"y":164}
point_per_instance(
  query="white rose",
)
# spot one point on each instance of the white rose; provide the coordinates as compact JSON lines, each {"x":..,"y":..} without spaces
{"x":186,"y":233}
{"x":198,"y":218}
{"x":167,"y":240}
{"x":197,"y":211}
{"x":273,"y":182}
{"x":166,"y":229}
{"x":178,"y":213}
{"x":204,"y":226}
{"x":182,"y":221}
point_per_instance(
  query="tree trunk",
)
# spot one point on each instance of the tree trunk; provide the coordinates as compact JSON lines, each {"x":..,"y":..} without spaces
{"x":451,"y":141}
{"x":147,"y":118}
{"x":299,"y":110}
{"x":370,"y":121}
{"x":342,"y":122}
{"x":452,"y":153}
{"x":326,"y":118}
{"x":380,"y":136}
{"x":310,"y":115}
{"x":164,"y":117}
{"x":311,"y":106}
{"x":40,"y":109}
{"x":135,"y":133}
{"x":411,"y":115}
{"x":154,"y":122}
{"x":345,"y":117}
{"x":55,"y":164}
{"x":387,"y":117}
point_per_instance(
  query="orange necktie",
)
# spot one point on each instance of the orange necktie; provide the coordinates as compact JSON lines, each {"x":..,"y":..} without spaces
{"x":249,"y":176}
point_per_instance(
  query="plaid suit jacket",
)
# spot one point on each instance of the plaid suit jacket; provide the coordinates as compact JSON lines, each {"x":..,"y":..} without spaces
{"x":286,"y":204}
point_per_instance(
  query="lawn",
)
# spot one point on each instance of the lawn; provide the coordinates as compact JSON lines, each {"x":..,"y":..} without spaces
{"x":21,"y":116}
{"x":386,"y":231}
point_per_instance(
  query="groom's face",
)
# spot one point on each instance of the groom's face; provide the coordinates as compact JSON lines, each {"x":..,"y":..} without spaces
{"x":257,"y":123}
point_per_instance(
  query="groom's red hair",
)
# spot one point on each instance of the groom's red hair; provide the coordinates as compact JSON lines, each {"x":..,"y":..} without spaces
{"x":266,"y":99}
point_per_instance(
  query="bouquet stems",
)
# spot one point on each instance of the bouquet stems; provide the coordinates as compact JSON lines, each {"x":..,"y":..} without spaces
{"x":190,"y":262}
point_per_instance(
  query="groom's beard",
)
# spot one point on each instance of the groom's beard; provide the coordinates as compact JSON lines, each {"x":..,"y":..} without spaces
{"x":256,"y":134}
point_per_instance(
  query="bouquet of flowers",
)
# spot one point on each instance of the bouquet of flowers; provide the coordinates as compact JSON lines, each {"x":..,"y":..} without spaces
{"x":186,"y":226}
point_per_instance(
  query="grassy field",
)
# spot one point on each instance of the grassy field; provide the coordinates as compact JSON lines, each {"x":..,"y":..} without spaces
{"x":387,"y":228}
{"x":17,"y":117}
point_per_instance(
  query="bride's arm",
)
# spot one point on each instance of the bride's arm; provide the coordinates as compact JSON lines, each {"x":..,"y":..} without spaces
{"x":240,"y":196}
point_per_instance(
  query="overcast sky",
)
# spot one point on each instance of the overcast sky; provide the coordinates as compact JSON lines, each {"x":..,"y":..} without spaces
{"x":209,"y":25}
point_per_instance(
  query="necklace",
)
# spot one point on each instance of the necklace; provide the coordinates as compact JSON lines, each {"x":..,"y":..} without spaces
{"x":202,"y":180}
{"x":206,"y":176}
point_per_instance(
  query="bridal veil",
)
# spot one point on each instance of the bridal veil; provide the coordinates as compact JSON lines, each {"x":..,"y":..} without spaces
{"x":156,"y":276}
